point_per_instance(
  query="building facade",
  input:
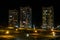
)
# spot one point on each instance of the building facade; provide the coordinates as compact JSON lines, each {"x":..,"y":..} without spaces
{"x":47,"y":17}
{"x":13,"y":18}
{"x":25,"y":17}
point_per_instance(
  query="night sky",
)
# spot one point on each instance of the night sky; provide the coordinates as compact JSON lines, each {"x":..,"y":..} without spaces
{"x":36,"y":6}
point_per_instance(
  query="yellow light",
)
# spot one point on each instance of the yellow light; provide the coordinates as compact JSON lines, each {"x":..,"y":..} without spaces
{"x":7,"y":36}
{"x":35,"y":30}
{"x":11,"y":27}
{"x":21,"y":28}
{"x":7,"y":32}
{"x":53,"y":33}
{"x":16,"y":29}
{"x":51,"y":29}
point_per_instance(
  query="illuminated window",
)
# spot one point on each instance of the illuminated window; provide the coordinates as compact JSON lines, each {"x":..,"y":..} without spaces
{"x":23,"y":11}
{"x":10,"y":16}
{"x":24,"y":22}
{"x":46,"y":10}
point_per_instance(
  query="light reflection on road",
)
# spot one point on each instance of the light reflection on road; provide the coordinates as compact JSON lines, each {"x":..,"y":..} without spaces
{"x":7,"y":36}
{"x":28,"y":36}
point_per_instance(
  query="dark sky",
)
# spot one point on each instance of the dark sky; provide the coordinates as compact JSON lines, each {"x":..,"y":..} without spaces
{"x":36,"y":6}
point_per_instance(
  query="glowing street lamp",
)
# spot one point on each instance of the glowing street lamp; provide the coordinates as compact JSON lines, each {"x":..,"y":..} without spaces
{"x":27,"y":35}
{"x":51,"y":29}
{"x":53,"y":33}
{"x":16,"y":29}
{"x":7,"y":32}
{"x":35,"y":31}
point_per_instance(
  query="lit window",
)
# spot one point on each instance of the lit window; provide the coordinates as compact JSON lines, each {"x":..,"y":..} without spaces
{"x":10,"y":16}
{"x":24,"y":22}
{"x":23,"y":11}
{"x":46,"y":10}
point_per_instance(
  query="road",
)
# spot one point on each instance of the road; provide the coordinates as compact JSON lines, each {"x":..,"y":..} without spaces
{"x":29,"y":33}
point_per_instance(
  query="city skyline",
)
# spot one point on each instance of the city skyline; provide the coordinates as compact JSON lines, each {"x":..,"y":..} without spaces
{"x":36,"y":6}
{"x":30,"y":20}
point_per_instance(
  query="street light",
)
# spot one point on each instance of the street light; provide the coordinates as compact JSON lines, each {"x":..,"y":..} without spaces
{"x":53,"y":33}
{"x":51,"y":29}
{"x":35,"y":31}
{"x":7,"y":32}
{"x":27,"y":35}
{"x":16,"y":29}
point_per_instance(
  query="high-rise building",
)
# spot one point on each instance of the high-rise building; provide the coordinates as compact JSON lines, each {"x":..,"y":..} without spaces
{"x":47,"y":17}
{"x":13,"y":18}
{"x":25,"y":17}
